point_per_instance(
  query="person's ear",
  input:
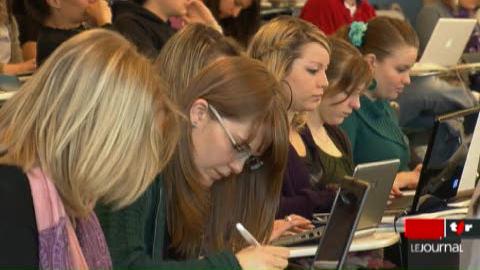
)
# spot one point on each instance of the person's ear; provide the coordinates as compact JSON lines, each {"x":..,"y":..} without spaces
{"x":371,"y":60}
{"x":54,"y":3}
{"x":199,"y":113}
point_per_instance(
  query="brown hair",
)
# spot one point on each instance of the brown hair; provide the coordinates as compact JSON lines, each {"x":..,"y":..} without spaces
{"x":279,"y":42}
{"x":348,"y":70}
{"x":90,"y":118}
{"x":241,"y":28}
{"x":192,"y":48}
{"x":384,"y":35}
{"x":239,"y":88}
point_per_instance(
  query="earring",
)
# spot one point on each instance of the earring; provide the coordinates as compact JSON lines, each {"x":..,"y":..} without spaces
{"x":373,"y":86}
{"x":291,"y":94}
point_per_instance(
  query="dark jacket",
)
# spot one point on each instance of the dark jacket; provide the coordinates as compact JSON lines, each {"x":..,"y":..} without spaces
{"x":137,"y":236}
{"x":323,"y":168}
{"x":298,"y":195}
{"x":143,"y":28}
{"x":18,"y":226}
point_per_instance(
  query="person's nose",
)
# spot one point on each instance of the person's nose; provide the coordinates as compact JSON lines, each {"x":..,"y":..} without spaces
{"x":406,"y":79}
{"x":322,"y":81}
{"x":355,"y":102}
{"x":237,"y":165}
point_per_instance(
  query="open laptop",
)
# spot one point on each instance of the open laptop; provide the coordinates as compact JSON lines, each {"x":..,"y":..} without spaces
{"x":335,"y":243}
{"x":333,"y":246}
{"x":451,"y":161}
{"x":380,"y":176}
{"x":446,"y":44}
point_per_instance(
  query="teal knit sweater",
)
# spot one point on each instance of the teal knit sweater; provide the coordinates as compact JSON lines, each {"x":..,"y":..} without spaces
{"x":136,"y":236}
{"x":375,"y":134}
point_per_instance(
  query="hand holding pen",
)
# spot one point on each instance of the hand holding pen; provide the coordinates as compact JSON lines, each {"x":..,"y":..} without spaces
{"x":257,"y":256}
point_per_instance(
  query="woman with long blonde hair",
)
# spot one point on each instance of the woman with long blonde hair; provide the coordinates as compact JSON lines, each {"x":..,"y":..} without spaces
{"x":86,"y":128}
{"x":298,"y":54}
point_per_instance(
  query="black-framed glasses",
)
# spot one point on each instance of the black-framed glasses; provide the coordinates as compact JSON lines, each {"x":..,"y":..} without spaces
{"x":243,"y":151}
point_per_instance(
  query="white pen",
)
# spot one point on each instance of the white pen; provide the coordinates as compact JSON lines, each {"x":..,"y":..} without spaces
{"x":247,"y":235}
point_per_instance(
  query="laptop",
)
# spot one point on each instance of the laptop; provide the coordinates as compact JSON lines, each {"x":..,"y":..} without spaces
{"x":333,"y":246}
{"x":446,"y":44}
{"x":380,"y":175}
{"x":451,"y":161}
{"x":9,"y":83}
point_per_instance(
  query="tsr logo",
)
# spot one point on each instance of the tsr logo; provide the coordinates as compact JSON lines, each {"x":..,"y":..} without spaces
{"x":459,"y":227}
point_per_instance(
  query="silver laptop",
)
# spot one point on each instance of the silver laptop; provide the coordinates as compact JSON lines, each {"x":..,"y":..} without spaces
{"x":446,"y":44}
{"x":380,"y":175}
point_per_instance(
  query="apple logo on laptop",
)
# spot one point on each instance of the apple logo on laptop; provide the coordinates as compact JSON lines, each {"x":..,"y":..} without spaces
{"x":449,"y":43}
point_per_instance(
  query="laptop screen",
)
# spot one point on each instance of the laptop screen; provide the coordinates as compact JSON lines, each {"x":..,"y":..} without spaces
{"x":446,"y":154}
{"x":341,"y":225}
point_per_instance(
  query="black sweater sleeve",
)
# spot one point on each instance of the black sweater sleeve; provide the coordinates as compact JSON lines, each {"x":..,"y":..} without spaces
{"x":134,"y":31}
{"x":18,"y":228}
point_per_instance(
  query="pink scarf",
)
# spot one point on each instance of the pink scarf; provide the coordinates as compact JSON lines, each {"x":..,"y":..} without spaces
{"x":60,"y":245}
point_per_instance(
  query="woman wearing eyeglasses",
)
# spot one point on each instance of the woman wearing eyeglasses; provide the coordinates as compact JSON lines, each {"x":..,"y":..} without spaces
{"x":235,"y":122}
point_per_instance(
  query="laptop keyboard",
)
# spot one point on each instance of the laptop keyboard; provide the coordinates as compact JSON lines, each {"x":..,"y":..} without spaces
{"x":300,"y":238}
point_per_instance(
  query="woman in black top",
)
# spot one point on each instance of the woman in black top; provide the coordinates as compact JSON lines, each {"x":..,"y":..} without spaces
{"x":145,"y":22}
{"x":239,"y":19}
{"x":60,"y":20}
{"x":329,"y":152}
{"x":16,"y":205}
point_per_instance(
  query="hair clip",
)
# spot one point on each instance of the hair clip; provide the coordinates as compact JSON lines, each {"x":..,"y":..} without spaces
{"x":356,"y":33}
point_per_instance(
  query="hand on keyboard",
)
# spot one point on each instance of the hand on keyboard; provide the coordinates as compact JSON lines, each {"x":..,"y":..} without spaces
{"x":292,"y":224}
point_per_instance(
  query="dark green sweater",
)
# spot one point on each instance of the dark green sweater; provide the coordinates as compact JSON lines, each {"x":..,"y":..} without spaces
{"x":375,"y":134}
{"x":136,"y":236}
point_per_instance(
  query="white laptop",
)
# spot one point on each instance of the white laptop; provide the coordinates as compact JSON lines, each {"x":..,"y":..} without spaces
{"x":470,"y":171}
{"x":446,"y":44}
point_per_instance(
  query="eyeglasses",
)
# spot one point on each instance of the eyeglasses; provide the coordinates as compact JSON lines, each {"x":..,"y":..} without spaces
{"x":243,"y":151}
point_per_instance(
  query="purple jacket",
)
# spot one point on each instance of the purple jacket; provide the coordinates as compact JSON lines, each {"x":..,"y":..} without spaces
{"x":298,"y":195}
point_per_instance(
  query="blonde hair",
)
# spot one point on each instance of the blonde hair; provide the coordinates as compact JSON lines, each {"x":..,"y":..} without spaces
{"x":192,"y":48}
{"x":279,"y":42}
{"x":92,"y":119}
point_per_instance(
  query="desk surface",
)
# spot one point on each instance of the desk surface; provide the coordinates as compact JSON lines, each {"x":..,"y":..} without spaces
{"x":377,"y":240}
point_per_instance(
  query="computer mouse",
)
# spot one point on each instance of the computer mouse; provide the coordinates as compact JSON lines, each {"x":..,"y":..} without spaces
{"x":430,"y":203}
